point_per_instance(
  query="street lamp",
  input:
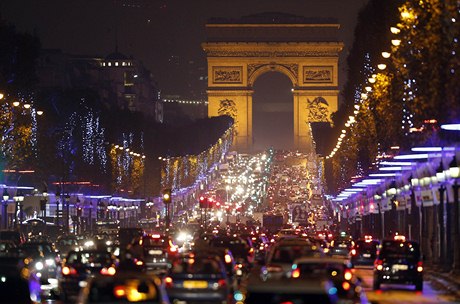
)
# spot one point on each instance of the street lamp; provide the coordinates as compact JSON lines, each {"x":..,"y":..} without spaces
{"x":19,"y":198}
{"x":67,"y":215}
{"x":5,"y":197}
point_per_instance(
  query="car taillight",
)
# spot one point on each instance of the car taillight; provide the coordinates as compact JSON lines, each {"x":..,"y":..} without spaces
{"x":66,"y":270}
{"x":110,"y":271}
{"x":251,"y":251}
{"x":346,"y":286}
{"x":228,"y":259}
{"x":168,"y":282}
{"x":379,"y":265}
{"x":295,"y":273}
{"x":347,"y":275}
{"x":173,"y":249}
{"x":419,"y":266}
{"x":222,"y":283}
{"x":353,"y":252}
{"x":119,"y":291}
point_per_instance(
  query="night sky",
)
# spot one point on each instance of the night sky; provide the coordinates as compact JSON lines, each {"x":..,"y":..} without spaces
{"x":166,"y":35}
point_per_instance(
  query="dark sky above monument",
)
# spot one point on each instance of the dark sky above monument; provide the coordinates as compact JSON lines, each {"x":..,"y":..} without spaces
{"x":165,"y":34}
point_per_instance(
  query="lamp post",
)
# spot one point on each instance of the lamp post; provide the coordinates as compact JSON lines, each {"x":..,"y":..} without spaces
{"x":19,"y":198}
{"x":43,"y":202}
{"x":67,"y":212}
{"x":5,"y":197}
{"x":441,"y":178}
{"x":454,"y":172}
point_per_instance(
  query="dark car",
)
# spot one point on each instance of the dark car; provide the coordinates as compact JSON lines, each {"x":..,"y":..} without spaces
{"x":17,"y":284}
{"x":12,"y":235}
{"x":127,"y":235}
{"x":400,"y":262}
{"x":341,"y":246}
{"x":283,"y":254}
{"x":8,"y":248}
{"x":364,"y":252}
{"x":242,"y":252}
{"x":78,"y":266}
{"x":339,"y":272}
{"x":124,"y":288}
{"x":198,"y":279}
{"x":42,"y":260}
{"x":66,"y":243}
{"x":155,"y":251}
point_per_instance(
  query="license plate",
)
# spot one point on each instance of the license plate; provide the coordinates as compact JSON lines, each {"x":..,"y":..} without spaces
{"x":155,"y":252}
{"x":195,"y":284}
{"x":366,"y":255}
{"x":399,"y":267}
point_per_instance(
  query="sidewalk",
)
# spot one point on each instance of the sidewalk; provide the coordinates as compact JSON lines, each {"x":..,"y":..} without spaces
{"x":444,"y":280}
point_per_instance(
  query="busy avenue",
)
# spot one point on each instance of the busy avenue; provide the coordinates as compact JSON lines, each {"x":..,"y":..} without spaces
{"x":259,"y":233}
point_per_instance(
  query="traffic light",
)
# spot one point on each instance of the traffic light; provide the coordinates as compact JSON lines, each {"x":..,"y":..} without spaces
{"x":167,"y":196}
{"x":203,"y":202}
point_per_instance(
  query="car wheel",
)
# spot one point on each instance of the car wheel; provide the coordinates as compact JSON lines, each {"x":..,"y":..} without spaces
{"x":376,"y":285}
{"x":419,"y":285}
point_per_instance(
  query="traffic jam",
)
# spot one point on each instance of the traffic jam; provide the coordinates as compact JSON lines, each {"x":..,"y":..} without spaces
{"x":262,"y":232}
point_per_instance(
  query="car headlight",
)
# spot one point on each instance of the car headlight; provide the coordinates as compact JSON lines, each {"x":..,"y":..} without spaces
{"x":182,"y":237}
{"x":39,"y":265}
{"x":49,"y":262}
{"x":89,"y":243}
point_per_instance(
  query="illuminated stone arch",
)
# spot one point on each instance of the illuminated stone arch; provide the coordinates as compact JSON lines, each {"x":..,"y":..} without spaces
{"x":239,"y":51}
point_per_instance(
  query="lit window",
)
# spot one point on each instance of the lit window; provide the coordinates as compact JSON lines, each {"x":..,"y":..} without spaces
{"x":123,"y":64}
{"x":116,"y":63}
{"x":103,"y":64}
{"x":109,"y":63}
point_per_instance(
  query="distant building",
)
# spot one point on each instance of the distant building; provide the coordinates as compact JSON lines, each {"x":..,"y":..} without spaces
{"x":119,"y":80}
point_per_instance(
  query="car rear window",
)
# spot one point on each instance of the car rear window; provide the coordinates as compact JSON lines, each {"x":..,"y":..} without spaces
{"x":400,"y":249}
{"x":89,"y":257}
{"x":192,"y":266}
{"x":362,"y":245}
{"x":320,"y":269}
{"x":287,"y":254}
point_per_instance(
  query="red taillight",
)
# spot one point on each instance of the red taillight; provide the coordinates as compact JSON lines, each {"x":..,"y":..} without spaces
{"x":68,"y":271}
{"x":419,"y":266}
{"x":168,"y":281}
{"x":353,"y":252}
{"x":222,"y":283}
{"x":295,"y":273}
{"x":378,"y":265}
{"x":119,"y":291}
{"x":109,"y":271}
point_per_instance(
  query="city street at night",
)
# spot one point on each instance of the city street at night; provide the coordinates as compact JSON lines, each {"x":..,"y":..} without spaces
{"x":230,"y":152}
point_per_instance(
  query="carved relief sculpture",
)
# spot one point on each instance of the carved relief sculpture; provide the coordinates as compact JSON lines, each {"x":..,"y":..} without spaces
{"x":314,"y":74}
{"x":228,"y":107}
{"x":318,"y":110}
{"x":227,"y":74}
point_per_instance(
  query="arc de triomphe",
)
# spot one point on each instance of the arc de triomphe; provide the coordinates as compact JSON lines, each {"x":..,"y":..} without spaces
{"x":239,"y":51}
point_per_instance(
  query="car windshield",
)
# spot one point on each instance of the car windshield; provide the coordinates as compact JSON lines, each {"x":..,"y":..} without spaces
{"x":287,"y":254}
{"x":67,"y":242}
{"x":400,"y":249}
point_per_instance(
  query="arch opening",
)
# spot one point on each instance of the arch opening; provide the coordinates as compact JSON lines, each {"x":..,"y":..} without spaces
{"x":273,"y":113}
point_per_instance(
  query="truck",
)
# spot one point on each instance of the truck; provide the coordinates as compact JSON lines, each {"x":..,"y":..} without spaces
{"x":272,"y":222}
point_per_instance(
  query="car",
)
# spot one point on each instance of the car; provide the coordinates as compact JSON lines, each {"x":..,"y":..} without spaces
{"x":198,"y":279}
{"x":43,"y":261}
{"x":66,"y":243}
{"x":124,"y":287}
{"x":399,"y":261}
{"x":341,"y":246}
{"x":18,"y":285}
{"x":225,"y":255}
{"x":284,"y":253}
{"x":8,"y":248}
{"x":364,"y":252}
{"x":12,"y":235}
{"x":259,"y":290}
{"x":78,"y":266}
{"x":242,"y":252}
{"x":155,"y":250}
{"x":127,"y":235}
{"x":339,"y":272}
